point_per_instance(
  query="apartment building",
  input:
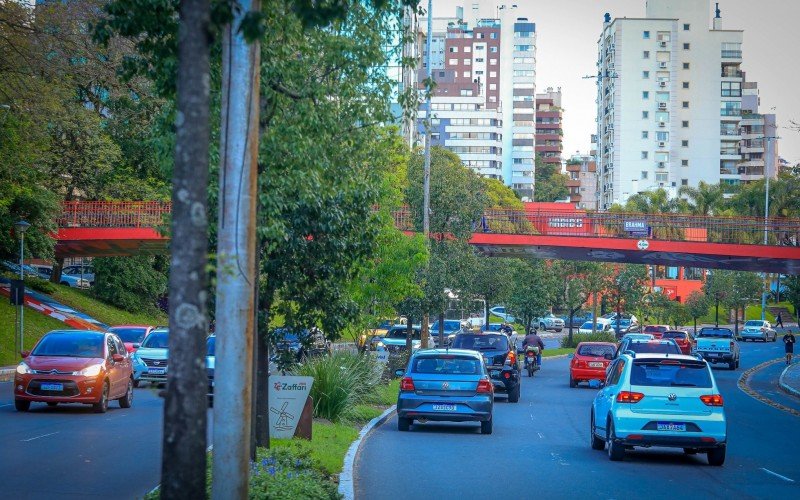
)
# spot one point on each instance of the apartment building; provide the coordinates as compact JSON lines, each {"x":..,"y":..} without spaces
{"x":669,"y":100}
{"x":582,"y":182}
{"x":483,"y":61}
{"x":759,"y":144}
{"x":549,"y":132}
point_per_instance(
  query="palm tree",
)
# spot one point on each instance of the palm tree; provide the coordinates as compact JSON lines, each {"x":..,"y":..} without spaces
{"x":705,"y":199}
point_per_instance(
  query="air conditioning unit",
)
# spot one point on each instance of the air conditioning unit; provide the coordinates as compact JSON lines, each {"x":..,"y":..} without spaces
{"x":662,"y":65}
{"x":662,"y":164}
{"x":662,"y":84}
{"x":662,"y":105}
{"x":662,"y":144}
{"x":662,"y":124}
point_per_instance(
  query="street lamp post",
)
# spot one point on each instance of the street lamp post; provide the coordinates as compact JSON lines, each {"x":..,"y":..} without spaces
{"x":766,"y":224}
{"x":19,"y":228}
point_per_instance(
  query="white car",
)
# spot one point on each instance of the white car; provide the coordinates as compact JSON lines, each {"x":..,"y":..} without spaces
{"x":659,"y":400}
{"x":603,"y":326}
{"x":755,"y":329}
{"x":550,"y":322}
{"x":501,"y":313}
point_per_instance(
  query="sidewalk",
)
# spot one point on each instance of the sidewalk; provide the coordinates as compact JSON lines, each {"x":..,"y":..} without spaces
{"x":790,"y":379}
{"x":7,"y":373}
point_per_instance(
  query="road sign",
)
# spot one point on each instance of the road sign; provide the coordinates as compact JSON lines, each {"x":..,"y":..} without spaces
{"x":17,"y":293}
{"x":642,"y":244}
{"x":287,"y":396}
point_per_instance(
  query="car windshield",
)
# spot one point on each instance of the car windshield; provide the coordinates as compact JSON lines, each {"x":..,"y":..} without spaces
{"x":653,"y":347}
{"x":596,"y":350}
{"x":674,"y":335}
{"x":211,"y":345}
{"x":493,"y":327}
{"x":77,"y":344}
{"x":715,"y":332}
{"x":490,"y":342}
{"x":447,"y":365}
{"x":449,"y":325}
{"x":400,"y":333}
{"x":669,"y":374}
{"x":753,"y":322}
{"x":130,"y":335}
{"x":588,"y":326}
{"x":156,"y":340}
{"x":638,"y":336}
{"x":653,"y":328}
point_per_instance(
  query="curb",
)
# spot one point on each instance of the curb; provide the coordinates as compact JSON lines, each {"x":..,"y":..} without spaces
{"x":558,"y":356}
{"x":7,"y":374}
{"x":745,"y":387}
{"x":786,"y":387}
{"x":346,"y":477}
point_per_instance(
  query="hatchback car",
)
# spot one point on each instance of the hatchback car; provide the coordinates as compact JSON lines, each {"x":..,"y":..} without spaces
{"x":590,"y":361}
{"x":445,"y":385}
{"x":663,"y":346}
{"x":655,"y":330}
{"x":655,"y":400}
{"x":75,"y":366}
{"x":500,"y":357}
{"x":683,"y":338}
{"x":132,"y":335}
{"x":755,"y":329}
{"x":151,"y":359}
{"x":395,"y":339}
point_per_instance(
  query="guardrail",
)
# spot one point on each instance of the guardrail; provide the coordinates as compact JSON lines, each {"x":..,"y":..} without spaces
{"x":121,"y":214}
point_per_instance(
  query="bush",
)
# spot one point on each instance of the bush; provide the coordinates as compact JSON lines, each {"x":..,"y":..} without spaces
{"x":131,"y":283}
{"x":40,"y":285}
{"x":587,"y":337}
{"x":342,"y":381}
{"x":280,"y":474}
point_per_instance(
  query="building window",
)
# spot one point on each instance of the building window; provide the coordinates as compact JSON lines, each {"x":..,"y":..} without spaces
{"x":645,"y":134}
{"x":644,"y":155}
{"x":686,"y":85}
{"x":468,"y":49}
{"x":645,"y":74}
{"x":685,"y":65}
{"x":452,"y":62}
{"x":467,"y":74}
{"x":493,"y":50}
{"x":684,"y":182}
{"x":453,"y":49}
{"x":684,"y":163}
{"x":492,"y":98}
{"x":646,"y":54}
{"x":731,"y":89}
{"x":467,"y":62}
{"x":686,"y":46}
{"x":493,"y":74}
{"x":685,"y":124}
{"x":480,"y":47}
{"x":434,"y":137}
{"x":441,"y":74}
{"x":644,"y":174}
{"x":684,"y":144}
{"x":645,"y":114}
{"x":493,"y":35}
{"x":685,"y":27}
{"x":479,"y":73}
{"x":646,"y":34}
{"x":645,"y":95}
{"x":492,"y":86}
{"x":493,"y":62}
{"x":479,"y":59}
{"x":685,"y":104}
{"x":480,"y":35}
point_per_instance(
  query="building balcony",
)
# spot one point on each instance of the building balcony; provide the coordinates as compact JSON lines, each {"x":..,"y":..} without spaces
{"x":731,"y":72}
{"x":731,"y":54}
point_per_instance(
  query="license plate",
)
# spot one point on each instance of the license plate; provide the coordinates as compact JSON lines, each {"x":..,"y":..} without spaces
{"x":444,"y":407}
{"x":670,"y":426}
{"x":157,"y":371}
{"x":595,"y":364}
{"x":52,"y":387}
{"x":713,"y":354}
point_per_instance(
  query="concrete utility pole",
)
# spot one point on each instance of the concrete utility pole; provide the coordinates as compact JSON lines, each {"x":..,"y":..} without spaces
{"x":426,"y":173}
{"x":766,"y":226}
{"x":236,"y":266}
{"x":20,"y":228}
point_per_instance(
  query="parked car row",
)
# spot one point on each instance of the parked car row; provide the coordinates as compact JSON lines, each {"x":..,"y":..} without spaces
{"x":46,"y":272}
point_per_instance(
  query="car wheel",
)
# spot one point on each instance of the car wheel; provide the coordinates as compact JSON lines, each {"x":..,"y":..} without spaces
{"x":596,"y":442}
{"x":513,"y":396}
{"x":558,"y":330}
{"x":22,"y":405}
{"x":732,"y":365}
{"x":542,"y":327}
{"x":102,"y":405}
{"x":716,"y":456}
{"x":486,"y":426}
{"x":127,"y":400}
{"x":616,"y":452}
{"x":52,"y":404}
{"x":403,"y":424}
{"x":136,"y":383}
{"x":775,"y":337}
{"x":572,"y":382}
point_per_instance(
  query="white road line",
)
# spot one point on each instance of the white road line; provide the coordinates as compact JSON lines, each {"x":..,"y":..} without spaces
{"x":777,"y":475}
{"x":3,"y":406}
{"x":540,"y":435}
{"x":37,"y":437}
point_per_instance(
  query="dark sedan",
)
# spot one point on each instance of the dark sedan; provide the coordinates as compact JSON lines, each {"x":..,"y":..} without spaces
{"x":500,"y":358}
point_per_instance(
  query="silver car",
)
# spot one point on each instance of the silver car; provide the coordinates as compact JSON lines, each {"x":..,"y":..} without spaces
{"x":445,"y":385}
{"x":755,"y":329}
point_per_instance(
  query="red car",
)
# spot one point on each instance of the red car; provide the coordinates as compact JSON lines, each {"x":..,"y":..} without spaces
{"x":656,"y":330}
{"x":131,"y":335}
{"x":590,"y":362}
{"x":75,"y":366}
{"x":682,"y":338}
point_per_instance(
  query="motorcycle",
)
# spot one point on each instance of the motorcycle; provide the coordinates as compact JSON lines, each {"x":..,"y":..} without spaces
{"x":531,"y":359}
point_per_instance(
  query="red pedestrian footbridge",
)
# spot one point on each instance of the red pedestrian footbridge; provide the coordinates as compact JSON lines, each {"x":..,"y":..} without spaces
{"x":542,"y":230}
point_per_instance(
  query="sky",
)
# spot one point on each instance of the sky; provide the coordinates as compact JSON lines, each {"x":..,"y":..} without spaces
{"x":567,"y":33}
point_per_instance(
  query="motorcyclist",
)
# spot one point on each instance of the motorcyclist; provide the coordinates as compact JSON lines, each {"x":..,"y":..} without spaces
{"x":507,"y":329}
{"x":533,"y":339}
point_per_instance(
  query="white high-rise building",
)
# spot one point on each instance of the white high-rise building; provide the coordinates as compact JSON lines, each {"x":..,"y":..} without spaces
{"x":483,"y":60}
{"x":669,"y":100}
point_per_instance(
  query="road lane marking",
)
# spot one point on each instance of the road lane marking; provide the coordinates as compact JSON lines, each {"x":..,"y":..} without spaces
{"x":37,"y":437}
{"x":777,"y":475}
{"x":540,"y":435}
{"x":3,"y":406}
{"x":557,"y":458}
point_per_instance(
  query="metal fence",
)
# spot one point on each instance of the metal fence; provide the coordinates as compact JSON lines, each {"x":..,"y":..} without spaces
{"x":113,"y":214}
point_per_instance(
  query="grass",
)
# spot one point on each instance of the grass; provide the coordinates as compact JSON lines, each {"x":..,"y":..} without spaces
{"x":83,"y":301}
{"x":36,"y":325}
{"x":328,"y":445}
{"x":547,"y":353}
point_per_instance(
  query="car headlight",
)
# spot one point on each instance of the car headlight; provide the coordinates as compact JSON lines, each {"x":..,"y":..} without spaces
{"x":23,"y":369}
{"x":90,"y":371}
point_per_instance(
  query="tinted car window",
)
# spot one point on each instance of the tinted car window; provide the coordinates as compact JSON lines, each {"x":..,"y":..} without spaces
{"x":596,"y":350}
{"x":669,"y":375}
{"x":492,"y":342}
{"x":649,"y":329}
{"x":674,"y":335}
{"x":120,"y":346}
{"x":615,"y":372}
{"x":715,"y":332}
{"x":78,"y":345}
{"x":753,"y":322}
{"x":156,"y":340}
{"x":447,"y":365}
{"x":653,"y":348}
{"x":133,"y":335}
{"x":400,"y":333}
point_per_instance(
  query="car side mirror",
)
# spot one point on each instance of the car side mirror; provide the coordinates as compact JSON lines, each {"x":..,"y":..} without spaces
{"x":136,"y":346}
{"x":608,"y":356}
{"x":118,"y":358}
{"x":25,"y":354}
{"x":399,"y":373}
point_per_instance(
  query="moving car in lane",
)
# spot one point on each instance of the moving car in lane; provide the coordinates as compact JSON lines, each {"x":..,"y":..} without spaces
{"x":395,"y":339}
{"x":445,"y":385}
{"x":655,"y":400}
{"x":500,"y":358}
{"x":151,"y":359}
{"x":663,"y":346}
{"x":637,"y":336}
{"x":623,"y":326}
{"x":683,"y":338}
{"x":590,"y":361}
{"x":75,"y":366}
{"x":132,"y":335}
{"x":718,"y":345}
{"x":755,"y":329}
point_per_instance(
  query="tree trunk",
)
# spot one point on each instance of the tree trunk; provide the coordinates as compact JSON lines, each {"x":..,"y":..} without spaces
{"x":58,"y":266}
{"x":425,"y":333}
{"x":695,"y":326}
{"x":594,"y":313}
{"x":183,"y":462}
{"x":409,"y":333}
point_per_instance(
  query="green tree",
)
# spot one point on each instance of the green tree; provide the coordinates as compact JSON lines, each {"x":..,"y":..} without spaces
{"x":550,"y":183}
{"x":697,"y":304}
{"x":678,"y":314}
{"x":533,"y":291}
{"x":630,"y":286}
{"x":599,"y":281}
{"x":506,"y":203}
{"x":705,"y":199}
{"x":792,"y":294}
{"x":736,"y":289}
{"x":572,"y":293}
{"x":132,"y":283}
{"x":491,"y":280}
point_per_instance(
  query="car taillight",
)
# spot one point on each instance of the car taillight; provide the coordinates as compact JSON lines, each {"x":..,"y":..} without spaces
{"x":732,"y":343}
{"x":580,"y":364}
{"x":712,"y":399}
{"x":485,"y":387}
{"x":406,"y":384}
{"x":512,"y":358}
{"x":629,"y":397}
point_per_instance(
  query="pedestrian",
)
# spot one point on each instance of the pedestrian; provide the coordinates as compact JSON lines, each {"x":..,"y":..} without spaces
{"x":778,"y":321}
{"x":788,"y":341}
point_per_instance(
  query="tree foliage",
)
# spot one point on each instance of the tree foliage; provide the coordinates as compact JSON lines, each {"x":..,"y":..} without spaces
{"x":697,"y":305}
{"x":533,"y":290}
{"x":131,"y":283}
{"x":551,"y":183}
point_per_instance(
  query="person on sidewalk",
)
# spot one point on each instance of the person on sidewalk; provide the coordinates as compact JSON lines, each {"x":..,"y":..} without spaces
{"x":778,"y":321}
{"x":788,"y":341}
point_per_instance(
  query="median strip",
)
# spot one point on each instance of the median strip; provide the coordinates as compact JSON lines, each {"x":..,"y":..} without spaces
{"x":743,"y":384}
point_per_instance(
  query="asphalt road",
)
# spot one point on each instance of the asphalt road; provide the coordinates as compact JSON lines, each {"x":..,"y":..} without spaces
{"x":540,"y":448}
{"x":71,"y":452}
